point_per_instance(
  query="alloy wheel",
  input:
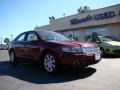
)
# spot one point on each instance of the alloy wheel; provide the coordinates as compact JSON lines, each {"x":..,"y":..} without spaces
{"x":49,"y":63}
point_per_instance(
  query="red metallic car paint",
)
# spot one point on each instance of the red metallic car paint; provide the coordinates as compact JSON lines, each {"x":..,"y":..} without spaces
{"x":37,"y":48}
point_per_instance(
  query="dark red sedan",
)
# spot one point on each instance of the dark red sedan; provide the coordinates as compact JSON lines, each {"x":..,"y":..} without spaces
{"x":52,"y":50}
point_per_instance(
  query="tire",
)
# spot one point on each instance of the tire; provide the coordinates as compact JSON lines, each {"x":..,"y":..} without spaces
{"x":13,"y":59}
{"x":50,"y":63}
{"x":102,"y":52}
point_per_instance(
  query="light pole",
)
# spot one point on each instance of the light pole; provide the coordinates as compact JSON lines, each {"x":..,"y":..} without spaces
{"x":11,"y":37}
{"x":1,"y":40}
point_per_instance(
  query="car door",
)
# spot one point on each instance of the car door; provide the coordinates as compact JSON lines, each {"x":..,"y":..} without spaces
{"x":32,"y":45}
{"x":19,"y":43}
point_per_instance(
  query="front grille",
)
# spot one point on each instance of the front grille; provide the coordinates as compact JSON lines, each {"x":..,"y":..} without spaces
{"x":90,"y":49}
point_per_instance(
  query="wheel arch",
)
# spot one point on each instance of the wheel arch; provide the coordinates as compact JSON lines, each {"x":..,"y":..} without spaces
{"x":56,"y":59}
{"x":103,"y":49}
{"x":48,"y":51}
{"x":11,"y":50}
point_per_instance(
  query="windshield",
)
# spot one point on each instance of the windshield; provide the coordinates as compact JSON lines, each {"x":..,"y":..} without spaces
{"x":112,"y":38}
{"x":50,"y":35}
{"x":105,"y":39}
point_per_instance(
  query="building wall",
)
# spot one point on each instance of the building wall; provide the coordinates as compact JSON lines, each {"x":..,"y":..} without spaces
{"x":64,"y":23}
{"x":45,"y":27}
{"x":114,"y":30}
{"x":82,"y":34}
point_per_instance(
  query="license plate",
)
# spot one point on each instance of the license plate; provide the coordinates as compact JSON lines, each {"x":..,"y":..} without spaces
{"x":97,"y":56}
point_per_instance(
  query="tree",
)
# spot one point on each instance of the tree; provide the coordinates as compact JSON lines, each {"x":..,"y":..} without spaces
{"x":83,"y":9}
{"x":6,"y":40}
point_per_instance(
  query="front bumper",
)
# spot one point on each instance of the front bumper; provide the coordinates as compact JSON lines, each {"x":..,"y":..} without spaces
{"x":79,"y":60}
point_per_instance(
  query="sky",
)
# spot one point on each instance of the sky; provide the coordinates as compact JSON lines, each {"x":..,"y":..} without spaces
{"x":17,"y":16}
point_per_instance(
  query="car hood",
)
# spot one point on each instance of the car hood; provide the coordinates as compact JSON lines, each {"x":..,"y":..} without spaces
{"x":73,"y":43}
{"x":114,"y":43}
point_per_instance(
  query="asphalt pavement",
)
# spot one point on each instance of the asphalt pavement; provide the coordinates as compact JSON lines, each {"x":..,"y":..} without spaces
{"x":102,"y":76}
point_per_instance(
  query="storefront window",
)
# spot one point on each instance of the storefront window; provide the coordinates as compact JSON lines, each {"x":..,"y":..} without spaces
{"x":101,"y":30}
{"x":72,"y":34}
{"x":76,"y":35}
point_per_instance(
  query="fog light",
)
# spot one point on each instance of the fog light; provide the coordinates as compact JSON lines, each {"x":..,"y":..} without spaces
{"x":76,"y":63}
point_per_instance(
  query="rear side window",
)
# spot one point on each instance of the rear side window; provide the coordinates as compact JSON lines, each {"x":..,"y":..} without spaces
{"x":21,"y":37}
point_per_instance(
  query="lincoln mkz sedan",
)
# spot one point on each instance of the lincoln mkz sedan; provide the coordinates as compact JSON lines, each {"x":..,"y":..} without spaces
{"x":53,"y":50}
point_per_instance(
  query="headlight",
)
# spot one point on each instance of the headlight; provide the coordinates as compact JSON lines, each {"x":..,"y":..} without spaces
{"x":77,"y":49}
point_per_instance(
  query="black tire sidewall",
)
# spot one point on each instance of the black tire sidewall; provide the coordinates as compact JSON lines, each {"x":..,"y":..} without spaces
{"x":102,"y":52}
{"x":15,"y":59}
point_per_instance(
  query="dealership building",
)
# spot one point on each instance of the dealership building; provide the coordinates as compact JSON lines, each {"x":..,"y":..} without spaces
{"x":104,"y":21}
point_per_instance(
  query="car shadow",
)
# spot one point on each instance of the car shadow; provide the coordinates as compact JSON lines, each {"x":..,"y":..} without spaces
{"x":109,"y":56}
{"x":32,"y":73}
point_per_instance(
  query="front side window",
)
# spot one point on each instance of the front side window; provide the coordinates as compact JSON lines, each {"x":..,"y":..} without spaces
{"x":105,"y":39}
{"x":32,"y":36}
{"x":21,"y":37}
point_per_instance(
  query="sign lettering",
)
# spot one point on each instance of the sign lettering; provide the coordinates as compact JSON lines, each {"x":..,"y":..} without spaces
{"x":100,"y":16}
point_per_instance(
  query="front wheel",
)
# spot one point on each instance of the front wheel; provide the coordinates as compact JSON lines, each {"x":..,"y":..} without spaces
{"x":50,"y":63}
{"x":102,"y":52}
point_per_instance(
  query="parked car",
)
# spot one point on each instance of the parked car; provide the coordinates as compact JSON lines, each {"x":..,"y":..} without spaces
{"x":1,"y":46}
{"x":107,"y":45}
{"x":4,"y":47}
{"x":113,"y":38}
{"x":53,"y":50}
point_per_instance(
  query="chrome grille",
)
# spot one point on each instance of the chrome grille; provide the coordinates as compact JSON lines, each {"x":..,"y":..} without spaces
{"x":90,"y":49}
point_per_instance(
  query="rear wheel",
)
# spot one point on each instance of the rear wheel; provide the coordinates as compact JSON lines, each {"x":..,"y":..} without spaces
{"x":50,"y":63}
{"x":13,"y":58}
